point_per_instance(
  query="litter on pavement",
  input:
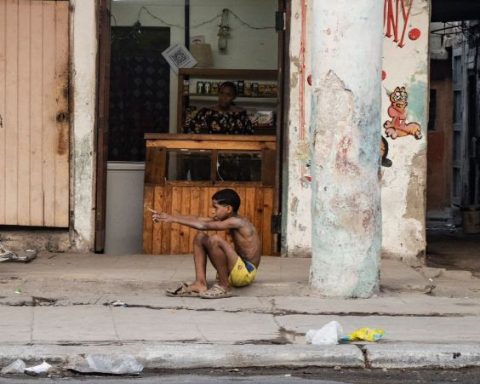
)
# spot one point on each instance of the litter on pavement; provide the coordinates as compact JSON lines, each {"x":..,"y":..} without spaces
{"x":329,"y":334}
{"x":332,"y":333}
{"x":364,"y":334}
{"x":114,"y":365}
{"x":38,"y":369}
{"x":118,"y":303}
{"x":18,"y":366}
{"x":22,"y":256}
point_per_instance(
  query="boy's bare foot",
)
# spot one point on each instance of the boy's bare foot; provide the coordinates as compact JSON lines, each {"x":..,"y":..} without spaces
{"x":197,"y":287}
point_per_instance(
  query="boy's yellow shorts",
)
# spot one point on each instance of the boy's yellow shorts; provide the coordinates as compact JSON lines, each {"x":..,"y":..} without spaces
{"x":242,"y":274}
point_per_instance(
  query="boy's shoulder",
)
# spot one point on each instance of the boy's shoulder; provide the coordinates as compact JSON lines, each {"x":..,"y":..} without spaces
{"x":239,"y":220}
{"x":244,"y":223}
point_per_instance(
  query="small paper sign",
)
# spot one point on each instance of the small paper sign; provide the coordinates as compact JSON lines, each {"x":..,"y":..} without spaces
{"x":179,"y":57}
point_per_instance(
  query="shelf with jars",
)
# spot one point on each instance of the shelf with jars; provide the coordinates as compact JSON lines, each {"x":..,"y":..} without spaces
{"x":257,"y":93}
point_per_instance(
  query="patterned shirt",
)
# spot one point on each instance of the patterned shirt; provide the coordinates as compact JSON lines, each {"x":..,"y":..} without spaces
{"x":209,"y":120}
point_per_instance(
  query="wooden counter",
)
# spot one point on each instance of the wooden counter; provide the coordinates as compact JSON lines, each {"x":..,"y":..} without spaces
{"x":193,"y":197}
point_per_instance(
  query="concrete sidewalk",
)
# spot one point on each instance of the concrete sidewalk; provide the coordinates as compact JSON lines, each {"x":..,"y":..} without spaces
{"x":61,"y":306}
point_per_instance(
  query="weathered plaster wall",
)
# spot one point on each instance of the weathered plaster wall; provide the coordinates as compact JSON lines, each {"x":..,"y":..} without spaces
{"x":83,"y":79}
{"x":405,"y":64}
{"x":406,"y":28}
{"x":297,"y":227}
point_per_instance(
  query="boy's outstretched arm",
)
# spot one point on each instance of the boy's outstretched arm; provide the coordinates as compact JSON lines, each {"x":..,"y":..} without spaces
{"x":186,"y":217}
{"x":200,"y":223}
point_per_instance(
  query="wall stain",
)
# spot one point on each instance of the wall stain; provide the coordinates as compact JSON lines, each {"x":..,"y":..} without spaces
{"x":341,"y":162}
{"x":294,"y":205}
{"x":295,"y":61}
{"x":415,"y":199}
{"x":354,"y":212}
{"x":367,"y":219}
{"x":303,"y":151}
{"x":62,"y":145}
{"x":328,"y":128}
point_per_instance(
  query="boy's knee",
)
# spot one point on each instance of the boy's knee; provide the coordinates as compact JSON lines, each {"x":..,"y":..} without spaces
{"x":200,"y":237}
{"x":214,"y":240}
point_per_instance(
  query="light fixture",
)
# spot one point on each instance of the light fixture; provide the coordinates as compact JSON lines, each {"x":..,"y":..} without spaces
{"x":223,"y":32}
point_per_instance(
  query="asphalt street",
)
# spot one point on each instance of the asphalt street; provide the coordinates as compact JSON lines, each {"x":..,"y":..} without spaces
{"x":277,"y":376}
{"x":178,"y":380}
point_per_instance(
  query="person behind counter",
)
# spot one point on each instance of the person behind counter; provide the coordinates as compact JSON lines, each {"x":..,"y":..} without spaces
{"x":222,"y":118}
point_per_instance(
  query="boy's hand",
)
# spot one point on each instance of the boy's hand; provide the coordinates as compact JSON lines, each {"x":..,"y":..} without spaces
{"x":161,"y":216}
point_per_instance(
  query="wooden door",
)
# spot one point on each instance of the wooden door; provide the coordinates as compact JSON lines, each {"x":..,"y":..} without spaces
{"x":34,"y":114}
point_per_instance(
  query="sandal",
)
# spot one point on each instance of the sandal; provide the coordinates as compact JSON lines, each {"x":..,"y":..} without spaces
{"x":182,"y":291}
{"x":216,"y":292}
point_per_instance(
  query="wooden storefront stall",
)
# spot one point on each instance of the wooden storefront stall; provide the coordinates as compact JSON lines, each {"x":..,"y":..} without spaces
{"x":183,"y":171}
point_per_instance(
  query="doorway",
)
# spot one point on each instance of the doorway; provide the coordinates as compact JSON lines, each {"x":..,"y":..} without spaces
{"x":453,"y":206}
{"x":253,"y":44}
{"x":139,"y":103}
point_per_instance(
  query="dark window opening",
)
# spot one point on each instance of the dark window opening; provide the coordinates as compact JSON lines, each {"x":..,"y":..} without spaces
{"x":239,"y":167}
{"x":139,"y":89}
{"x":189,"y":165}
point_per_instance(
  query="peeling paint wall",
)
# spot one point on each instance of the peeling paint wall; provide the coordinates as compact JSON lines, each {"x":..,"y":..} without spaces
{"x":346,"y":212}
{"x":84,"y":64}
{"x":297,"y":227}
{"x":403,"y":174}
{"x":404,"y":126}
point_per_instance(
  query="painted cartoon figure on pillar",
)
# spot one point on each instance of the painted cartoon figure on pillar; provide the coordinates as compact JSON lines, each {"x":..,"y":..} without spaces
{"x":397,"y":126}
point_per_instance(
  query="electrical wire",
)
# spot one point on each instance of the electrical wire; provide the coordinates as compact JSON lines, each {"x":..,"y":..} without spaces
{"x":144,"y":8}
{"x":214,"y":18}
{"x":243,"y":22}
{"x":112,"y":16}
{"x":218,"y":16}
{"x":462,"y":28}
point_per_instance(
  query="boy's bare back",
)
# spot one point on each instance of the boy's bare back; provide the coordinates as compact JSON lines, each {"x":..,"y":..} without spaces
{"x":245,"y":239}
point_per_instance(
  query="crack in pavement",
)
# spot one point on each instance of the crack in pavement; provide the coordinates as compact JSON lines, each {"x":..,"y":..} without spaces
{"x":363,"y":349}
{"x":46,"y":302}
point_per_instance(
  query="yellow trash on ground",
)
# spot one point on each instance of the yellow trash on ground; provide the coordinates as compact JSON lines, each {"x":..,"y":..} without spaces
{"x":364,"y":334}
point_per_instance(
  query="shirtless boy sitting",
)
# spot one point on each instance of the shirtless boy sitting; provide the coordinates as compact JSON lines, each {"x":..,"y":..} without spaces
{"x":236,"y":266}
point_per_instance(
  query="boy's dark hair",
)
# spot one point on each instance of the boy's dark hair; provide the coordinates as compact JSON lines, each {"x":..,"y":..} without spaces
{"x":227,"y":197}
{"x":229,"y":84}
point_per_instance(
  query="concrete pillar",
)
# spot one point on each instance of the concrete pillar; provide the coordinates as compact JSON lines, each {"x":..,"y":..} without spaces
{"x":346,"y":44}
{"x":84,"y":82}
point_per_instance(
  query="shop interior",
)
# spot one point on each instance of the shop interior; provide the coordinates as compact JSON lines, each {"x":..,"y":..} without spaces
{"x":154,"y":160}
